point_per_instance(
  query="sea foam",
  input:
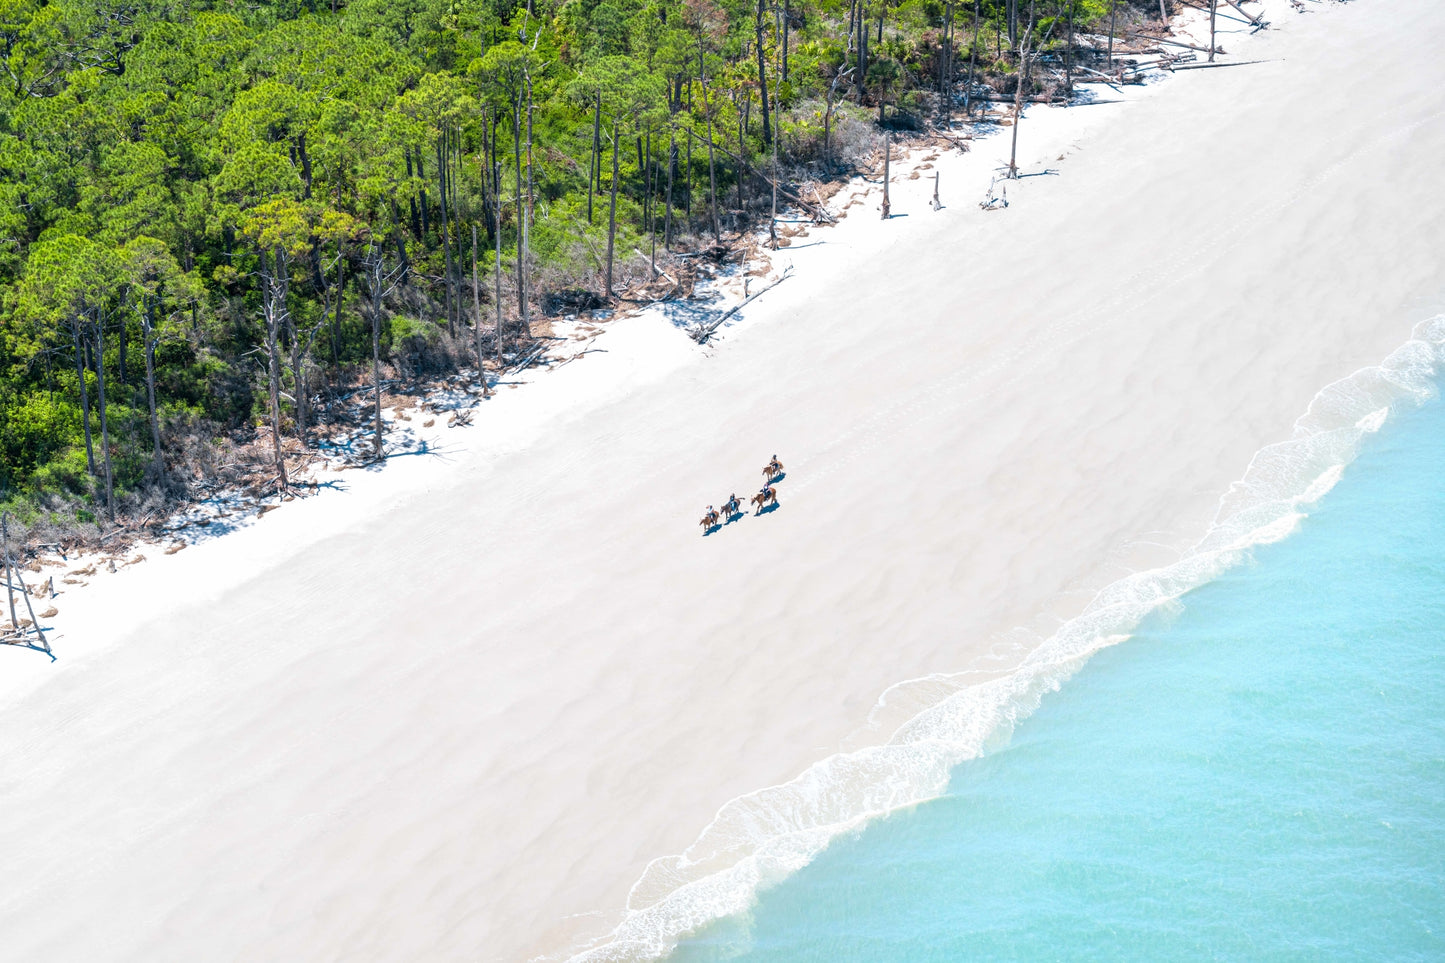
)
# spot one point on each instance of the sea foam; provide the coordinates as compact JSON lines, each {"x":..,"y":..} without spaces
{"x":760,"y":838}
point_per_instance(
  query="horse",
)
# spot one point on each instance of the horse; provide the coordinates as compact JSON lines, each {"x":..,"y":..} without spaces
{"x":709,"y":522}
{"x":772,"y":469}
{"x":765,"y":498}
{"x":731,"y":507}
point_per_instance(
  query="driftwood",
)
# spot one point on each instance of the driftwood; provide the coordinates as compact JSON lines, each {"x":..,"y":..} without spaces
{"x":703,"y":332}
{"x":1175,"y":43}
{"x":525,"y":362}
{"x":1205,"y":7}
{"x":1231,"y":63}
{"x":1258,"y":22}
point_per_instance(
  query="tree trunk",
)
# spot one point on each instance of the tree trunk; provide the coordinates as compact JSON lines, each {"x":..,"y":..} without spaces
{"x":862,"y":52}
{"x":148,"y":345}
{"x":763,"y":75}
{"x":711,"y":159}
{"x":298,"y":377}
{"x":336,"y":314}
{"x":594,"y":166}
{"x":517,"y":193}
{"x":1213,"y":6}
{"x":787,"y":25}
{"x":411,"y":201}
{"x":773,"y":224}
{"x":887,"y":156}
{"x":1025,"y":48}
{"x":612,"y":208}
{"x":376,"y":278}
{"x":527,"y":218}
{"x":667,"y":202}
{"x":477,"y":316}
{"x":120,"y":352}
{"x":650,"y":210}
{"x":497,"y":213}
{"x":271,"y":307}
{"x":1113,"y":6}
{"x":1069,"y":55}
{"x":743,"y":148}
{"x":945,"y":53}
{"x":425,"y":206}
{"x":104,"y":416}
{"x":443,"y":193}
{"x":9,"y":578}
{"x":81,"y":346}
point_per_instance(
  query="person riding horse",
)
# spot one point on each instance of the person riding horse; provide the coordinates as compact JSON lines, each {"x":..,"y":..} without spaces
{"x":772,"y":469}
{"x":765,"y":497}
{"x":731,"y":506}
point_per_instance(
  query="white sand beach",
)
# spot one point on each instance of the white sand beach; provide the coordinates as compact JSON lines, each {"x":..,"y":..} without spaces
{"x":454,"y":712}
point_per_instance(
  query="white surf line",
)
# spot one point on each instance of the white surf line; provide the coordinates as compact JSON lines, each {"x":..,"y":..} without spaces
{"x":767,"y":834}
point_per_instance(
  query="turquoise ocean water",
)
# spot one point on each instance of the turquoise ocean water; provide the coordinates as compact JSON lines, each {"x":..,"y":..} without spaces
{"x":1258,"y":773}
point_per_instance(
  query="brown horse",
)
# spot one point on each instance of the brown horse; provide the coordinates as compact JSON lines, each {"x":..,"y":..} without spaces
{"x":709,"y":522}
{"x":772,"y":469}
{"x":765,"y":498}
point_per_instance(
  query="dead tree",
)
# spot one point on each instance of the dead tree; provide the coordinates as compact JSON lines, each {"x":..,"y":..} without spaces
{"x":33,"y":635}
{"x":1213,"y":9}
{"x":1113,"y":7}
{"x":275,"y":281}
{"x":477,"y":317}
{"x":380,"y":283}
{"x":887,"y":154}
{"x":1026,"y":48}
{"x":972,"y":59}
{"x":104,"y":414}
{"x":840,"y":76}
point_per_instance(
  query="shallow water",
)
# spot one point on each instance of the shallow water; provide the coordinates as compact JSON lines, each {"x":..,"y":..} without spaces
{"x":1258,"y":773}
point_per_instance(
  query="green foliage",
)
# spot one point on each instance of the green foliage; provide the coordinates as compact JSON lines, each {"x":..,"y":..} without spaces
{"x":151,"y":150}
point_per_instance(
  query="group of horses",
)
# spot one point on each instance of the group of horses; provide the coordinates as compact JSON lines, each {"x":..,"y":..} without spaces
{"x":732,"y":508}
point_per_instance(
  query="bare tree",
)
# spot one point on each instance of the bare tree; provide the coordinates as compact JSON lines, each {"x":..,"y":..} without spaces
{"x":972,"y":58}
{"x":1213,"y":8}
{"x":762,"y":74}
{"x":1026,"y":48}
{"x":275,"y":285}
{"x":99,"y":328}
{"x":380,"y":282}
{"x":887,"y":155}
{"x":477,"y":317}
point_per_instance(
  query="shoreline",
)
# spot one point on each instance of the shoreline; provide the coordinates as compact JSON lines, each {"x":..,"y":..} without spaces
{"x":644,"y":710}
{"x":236,"y":508}
{"x":239,"y":507}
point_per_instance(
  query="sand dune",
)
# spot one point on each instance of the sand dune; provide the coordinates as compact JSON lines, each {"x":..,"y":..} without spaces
{"x":455,"y":718}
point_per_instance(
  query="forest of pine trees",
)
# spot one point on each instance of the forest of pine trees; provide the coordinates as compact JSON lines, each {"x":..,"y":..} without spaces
{"x":216,"y":214}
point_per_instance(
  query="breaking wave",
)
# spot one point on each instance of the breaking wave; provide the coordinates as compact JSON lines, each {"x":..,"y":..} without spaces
{"x":760,"y":838}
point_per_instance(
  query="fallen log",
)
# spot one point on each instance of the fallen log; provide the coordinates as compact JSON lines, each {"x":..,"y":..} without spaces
{"x":1177,"y":43}
{"x":705,"y":331}
{"x":1231,"y":63}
